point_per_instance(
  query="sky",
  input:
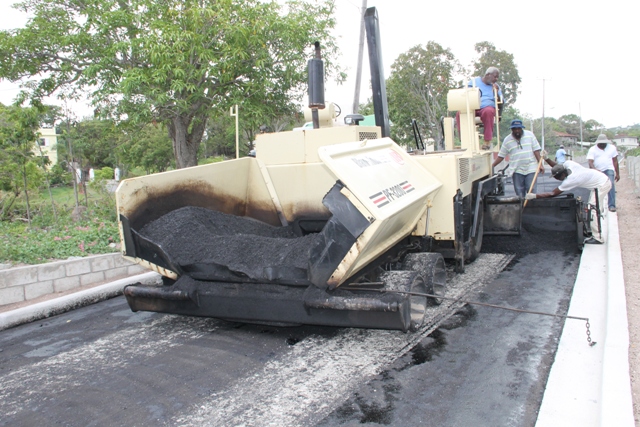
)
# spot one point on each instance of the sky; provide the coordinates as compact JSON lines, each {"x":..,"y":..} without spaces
{"x":583,"y":52}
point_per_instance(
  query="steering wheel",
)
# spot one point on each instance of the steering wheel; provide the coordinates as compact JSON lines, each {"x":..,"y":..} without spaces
{"x":338,"y":110}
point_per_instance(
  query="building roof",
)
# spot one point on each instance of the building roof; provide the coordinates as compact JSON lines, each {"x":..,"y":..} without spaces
{"x":567,"y":135}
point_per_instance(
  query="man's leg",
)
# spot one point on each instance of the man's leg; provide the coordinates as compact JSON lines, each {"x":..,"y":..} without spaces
{"x":602,"y":193}
{"x":528,"y":180}
{"x":612,"y":193}
{"x":519,"y":184}
{"x":595,"y":231}
{"x":488,"y":117}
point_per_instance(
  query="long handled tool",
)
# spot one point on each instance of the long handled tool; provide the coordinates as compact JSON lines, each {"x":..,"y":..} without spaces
{"x":534,"y":179}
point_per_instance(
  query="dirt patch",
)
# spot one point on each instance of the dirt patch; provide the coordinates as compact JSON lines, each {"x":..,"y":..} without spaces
{"x":628,"y":206}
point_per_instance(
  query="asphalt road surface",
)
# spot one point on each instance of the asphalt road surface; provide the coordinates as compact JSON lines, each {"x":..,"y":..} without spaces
{"x":473,"y":365}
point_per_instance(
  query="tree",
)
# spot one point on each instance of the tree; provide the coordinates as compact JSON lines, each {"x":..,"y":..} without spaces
{"x":366,"y":109}
{"x":172,"y":61}
{"x":417,"y":89}
{"x":570,"y":123}
{"x":591,"y":129}
{"x":18,"y":134}
{"x":96,"y":141}
{"x":149,"y":148}
{"x":509,"y":77}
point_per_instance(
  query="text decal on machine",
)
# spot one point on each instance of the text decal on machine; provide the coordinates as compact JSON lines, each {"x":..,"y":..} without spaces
{"x":392,"y":193}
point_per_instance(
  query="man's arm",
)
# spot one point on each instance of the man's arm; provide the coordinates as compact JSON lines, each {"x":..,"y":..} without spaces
{"x":497,"y":161}
{"x":550,"y":162}
{"x":554,"y":193}
{"x":591,"y":166}
{"x":615,"y":166}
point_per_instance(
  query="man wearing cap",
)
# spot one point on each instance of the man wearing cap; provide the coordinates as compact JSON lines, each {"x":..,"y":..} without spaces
{"x":574,"y":175}
{"x":603,"y":156}
{"x":561,"y":155}
{"x":523,"y":150}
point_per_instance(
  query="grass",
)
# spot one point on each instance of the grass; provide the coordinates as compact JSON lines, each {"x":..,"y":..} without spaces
{"x":47,"y":239}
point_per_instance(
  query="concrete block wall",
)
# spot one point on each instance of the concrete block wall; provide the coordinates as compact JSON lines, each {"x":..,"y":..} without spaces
{"x":26,"y":283}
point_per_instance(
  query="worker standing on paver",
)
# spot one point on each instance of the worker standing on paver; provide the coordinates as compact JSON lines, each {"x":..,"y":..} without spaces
{"x":574,"y":175}
{"x":603,"y":156}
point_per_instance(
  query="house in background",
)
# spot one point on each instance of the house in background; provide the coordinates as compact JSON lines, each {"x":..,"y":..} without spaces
{"x":47,"y":144}
{"x":565,"y":138}
{"x":625,"y":141}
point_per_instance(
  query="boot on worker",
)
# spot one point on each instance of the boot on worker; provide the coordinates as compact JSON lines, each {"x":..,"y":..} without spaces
{"x":523,"y":150}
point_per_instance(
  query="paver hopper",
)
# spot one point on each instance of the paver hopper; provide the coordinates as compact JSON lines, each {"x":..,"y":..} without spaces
{"x":280,"y":241}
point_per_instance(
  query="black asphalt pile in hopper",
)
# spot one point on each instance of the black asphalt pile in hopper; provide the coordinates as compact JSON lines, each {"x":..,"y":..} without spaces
{"x":211,"y":245}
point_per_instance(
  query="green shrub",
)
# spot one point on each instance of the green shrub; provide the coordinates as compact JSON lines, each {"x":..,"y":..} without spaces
{"x":58,"y":175}
{"x":59,"y":236}
{"x":210,"y":160}
{"x":634,"y":152}
{"x":35,"y":245}
{"x":104,"y":174}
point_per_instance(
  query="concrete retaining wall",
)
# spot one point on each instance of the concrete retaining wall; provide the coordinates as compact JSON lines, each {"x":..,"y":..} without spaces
{"x":26,"y":283}
{"x":633,"y":169}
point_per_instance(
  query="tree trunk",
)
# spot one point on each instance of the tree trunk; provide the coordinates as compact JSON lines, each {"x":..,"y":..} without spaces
{"x":26,"y":192}
{"x":46,"y":175}
{"x":186,"y":133}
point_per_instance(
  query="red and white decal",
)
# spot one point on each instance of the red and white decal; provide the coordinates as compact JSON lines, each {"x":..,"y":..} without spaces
{"x":391,"y":194}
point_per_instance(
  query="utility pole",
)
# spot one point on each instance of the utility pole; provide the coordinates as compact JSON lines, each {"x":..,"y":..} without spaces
{"x":580,"y":113}
{"x":356,"y":95}
{"x":234,"y":113}
{"x":543,"y":83}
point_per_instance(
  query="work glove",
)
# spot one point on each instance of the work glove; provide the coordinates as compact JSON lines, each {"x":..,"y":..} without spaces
{"x":530,"y":196}
{"x":544,"y":154}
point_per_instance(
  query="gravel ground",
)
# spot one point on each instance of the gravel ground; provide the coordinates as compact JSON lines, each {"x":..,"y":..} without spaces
{"x":628,"y":207}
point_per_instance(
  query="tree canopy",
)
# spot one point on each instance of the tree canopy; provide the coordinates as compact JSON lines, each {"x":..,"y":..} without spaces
{"x":170,"y":61}
{"x":492,"y":57}
{"x":417,"y":89}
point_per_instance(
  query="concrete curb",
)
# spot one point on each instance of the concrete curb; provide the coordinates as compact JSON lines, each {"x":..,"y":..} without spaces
{"x":591,"y":386}
{"x":79,"y":299}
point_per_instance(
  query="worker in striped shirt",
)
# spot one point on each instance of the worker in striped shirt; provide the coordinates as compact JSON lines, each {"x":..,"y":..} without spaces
{"x":523,"y":150}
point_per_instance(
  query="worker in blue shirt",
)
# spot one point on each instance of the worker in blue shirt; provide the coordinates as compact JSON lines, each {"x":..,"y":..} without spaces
{"x":487,"y":112}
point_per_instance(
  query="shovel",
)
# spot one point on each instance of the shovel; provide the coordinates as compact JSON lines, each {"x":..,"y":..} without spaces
{"x":534,"y":179}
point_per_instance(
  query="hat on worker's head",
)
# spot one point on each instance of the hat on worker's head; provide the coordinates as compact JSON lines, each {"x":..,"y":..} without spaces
{"x":602,"y":139}
{"x":562,"y":146}
{"x":516,"y":124}
{"x":557,"y":170}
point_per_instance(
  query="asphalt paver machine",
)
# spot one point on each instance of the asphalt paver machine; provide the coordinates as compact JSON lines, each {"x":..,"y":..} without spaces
{"x":294,"y":234}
